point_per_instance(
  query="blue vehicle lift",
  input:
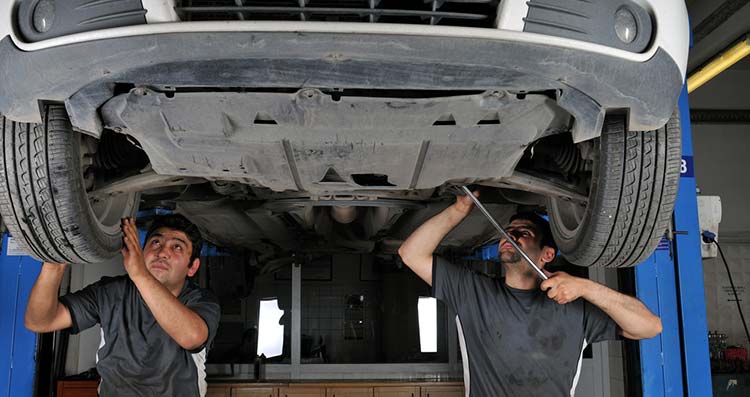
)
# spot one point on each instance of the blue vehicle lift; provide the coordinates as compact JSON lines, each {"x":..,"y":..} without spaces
{"x":670,"y":283}
{"x":17,"y":344}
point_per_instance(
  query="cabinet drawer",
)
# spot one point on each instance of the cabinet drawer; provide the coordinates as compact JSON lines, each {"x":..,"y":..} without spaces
{"x":302,"y":392}
{"x":409,"y":391}
{"x":443,"y":391}
{"x":349,"y":392}
{"x":254,"y":392}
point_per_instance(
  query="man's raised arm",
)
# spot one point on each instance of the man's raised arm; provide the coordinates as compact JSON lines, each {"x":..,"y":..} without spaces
{"x":417,"y":250}
{"x":44,"y":313}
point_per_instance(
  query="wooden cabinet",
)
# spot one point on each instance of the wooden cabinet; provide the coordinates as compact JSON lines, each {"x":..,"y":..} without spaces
{"x":407,"y":391}
{"x":217,"y":391}
{"x":442,"y":391}
{"x":77,"y":388}
{"x":302,"y":392}
{"x":348,"y":389}
{"x":254,"y":392}
{"x":349,"y":392}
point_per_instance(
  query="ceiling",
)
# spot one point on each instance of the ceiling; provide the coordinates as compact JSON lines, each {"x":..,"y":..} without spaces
{"x":716,"y":24}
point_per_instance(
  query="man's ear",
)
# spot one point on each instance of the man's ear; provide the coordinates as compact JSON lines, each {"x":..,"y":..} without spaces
{"x":194,"y":267}
{"x":548,"y":254}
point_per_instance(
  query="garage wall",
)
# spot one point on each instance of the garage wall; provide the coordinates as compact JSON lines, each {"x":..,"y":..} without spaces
{"x":722,"y":311}
{"x":721,"y":151}
{"x":721,"y":160}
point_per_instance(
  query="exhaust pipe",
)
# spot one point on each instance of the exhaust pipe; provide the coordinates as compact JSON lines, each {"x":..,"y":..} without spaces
{"x":344,"y":213}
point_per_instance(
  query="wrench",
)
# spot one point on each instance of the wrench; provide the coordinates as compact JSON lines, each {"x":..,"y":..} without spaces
{"x":503,"y":233}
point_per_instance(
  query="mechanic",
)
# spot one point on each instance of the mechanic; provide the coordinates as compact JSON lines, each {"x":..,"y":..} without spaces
{"x":156,"y":324}
{"x":516,"y":339}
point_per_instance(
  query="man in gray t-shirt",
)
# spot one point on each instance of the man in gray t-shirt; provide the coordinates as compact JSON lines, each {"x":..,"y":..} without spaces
{"x":156,"y":324}
{"x":520,"y":336}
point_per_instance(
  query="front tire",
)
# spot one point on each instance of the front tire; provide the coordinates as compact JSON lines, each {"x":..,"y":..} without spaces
{"x":43,"y":197}
{"x":631,"y":198}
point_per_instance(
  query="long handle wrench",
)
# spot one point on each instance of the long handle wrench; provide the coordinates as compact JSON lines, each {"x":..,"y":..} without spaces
{"x":504,"y":234}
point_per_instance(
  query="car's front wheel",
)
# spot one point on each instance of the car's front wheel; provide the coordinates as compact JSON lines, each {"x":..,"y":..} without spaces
{"x":43,"y":193}
{"x":631,"y":197}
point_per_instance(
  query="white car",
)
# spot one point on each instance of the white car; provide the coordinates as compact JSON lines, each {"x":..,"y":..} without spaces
{"x":309,"y":126}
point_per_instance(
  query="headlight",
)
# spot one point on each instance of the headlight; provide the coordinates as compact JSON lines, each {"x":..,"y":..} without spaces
{"x":44,"y":15}
{"x":625,"y":25}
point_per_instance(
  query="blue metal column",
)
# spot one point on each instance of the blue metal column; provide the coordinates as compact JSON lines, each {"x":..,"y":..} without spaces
{"x":691,"y":294}
{"x":17,"y":344}
{"x":661,"y":361}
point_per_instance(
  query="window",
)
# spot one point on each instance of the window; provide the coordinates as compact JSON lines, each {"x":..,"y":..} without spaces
{"x":353,"y":309}
{"x":366,"y":309}
{"x":255,"y":310}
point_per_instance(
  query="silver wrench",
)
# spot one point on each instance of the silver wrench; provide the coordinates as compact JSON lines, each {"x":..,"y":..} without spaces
{"x":503,"y":233}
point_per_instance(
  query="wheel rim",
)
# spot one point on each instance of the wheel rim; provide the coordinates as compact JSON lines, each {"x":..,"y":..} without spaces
{"x":568,"y":216}
{"x":107,"y":213}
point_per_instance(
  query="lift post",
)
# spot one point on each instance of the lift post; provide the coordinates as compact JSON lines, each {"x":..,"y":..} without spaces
{"x":17,"y":344}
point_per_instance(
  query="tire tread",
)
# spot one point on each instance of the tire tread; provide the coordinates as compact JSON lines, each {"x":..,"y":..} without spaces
{"x":42,"y":198}
{"x":633,"y":195}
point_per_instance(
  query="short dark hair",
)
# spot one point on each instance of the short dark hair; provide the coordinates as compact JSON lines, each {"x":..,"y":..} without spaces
{"x":542,"y":227}
{"x":180,"y":223}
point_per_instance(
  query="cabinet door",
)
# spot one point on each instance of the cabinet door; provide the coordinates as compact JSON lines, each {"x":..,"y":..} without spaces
{"x":217,"y":391}
{"x":410,"y":391}
{"x":302,"y":392}
{"x":443,"y":391}
{"x":349,"y":392}
{"x":83,"y":388}
{"x":254,"y":392}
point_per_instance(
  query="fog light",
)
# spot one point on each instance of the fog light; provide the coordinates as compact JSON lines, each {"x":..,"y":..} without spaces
{"x":44,"y":15}
{"x":625,"y":25}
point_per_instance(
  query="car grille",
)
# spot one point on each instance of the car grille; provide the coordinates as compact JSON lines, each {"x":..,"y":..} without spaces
{"x":469,"y":13}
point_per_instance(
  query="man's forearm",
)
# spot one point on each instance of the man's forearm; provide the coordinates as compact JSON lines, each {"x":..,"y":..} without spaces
{"x":417,"y":250}
{"x":42,"y":307}
{"x":633,"y":317}
{"x":183,"y":325}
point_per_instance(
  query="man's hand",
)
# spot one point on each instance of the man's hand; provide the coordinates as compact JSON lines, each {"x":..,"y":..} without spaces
{"x":132,"y":252}
{"x":464,"y":204}
{"x":564,"y":288}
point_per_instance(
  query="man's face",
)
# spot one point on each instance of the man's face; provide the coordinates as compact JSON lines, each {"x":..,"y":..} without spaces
{"x":167,"y":255}
{"x":525,"y":235}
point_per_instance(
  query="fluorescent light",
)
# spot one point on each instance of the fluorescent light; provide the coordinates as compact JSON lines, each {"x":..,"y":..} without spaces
{"x":427,"y":309}
{"x":270,"y":332}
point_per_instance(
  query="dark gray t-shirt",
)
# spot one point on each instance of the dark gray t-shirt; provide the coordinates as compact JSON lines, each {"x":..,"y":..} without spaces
{"x":136,"y":357}
{"x":517,"y":342}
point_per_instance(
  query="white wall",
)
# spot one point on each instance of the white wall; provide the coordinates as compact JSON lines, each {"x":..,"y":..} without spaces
{"x":721,"y":306}
{"x":722,"y":153}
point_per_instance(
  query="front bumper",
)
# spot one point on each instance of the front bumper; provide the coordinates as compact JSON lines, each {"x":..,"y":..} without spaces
{"x":83,"y":74}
